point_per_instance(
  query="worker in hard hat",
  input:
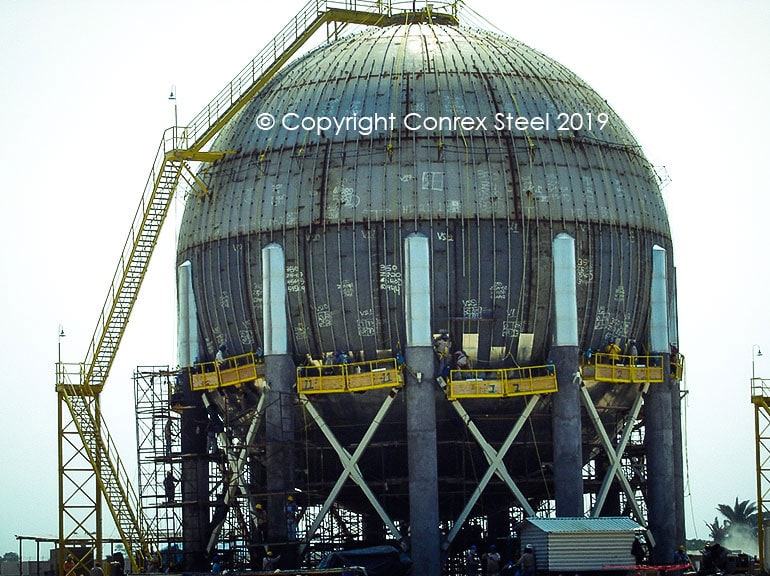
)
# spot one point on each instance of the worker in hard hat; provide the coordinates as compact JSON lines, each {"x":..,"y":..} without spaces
{"x":270,"y":561}
{"x":220,"y":357}
{"x":527,"y":562}
{"x":680,"y":558}
{"x":291,"y":518}
{"x":260,"y":515}
{"x":472,"y":562}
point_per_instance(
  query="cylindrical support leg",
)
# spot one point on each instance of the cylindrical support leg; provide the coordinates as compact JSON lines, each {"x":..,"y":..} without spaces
{"x":658,"y":416}
{"x":194,"y":480}
{"x":281,"y":377}
{"x":659,"y":446}
{"x":676,"y":432}
{"x":279,"y":443}
{"x":565,"y":355}
{"x":567,"y":433}
{"x":423,"y":461}
{"x":421,"y":395}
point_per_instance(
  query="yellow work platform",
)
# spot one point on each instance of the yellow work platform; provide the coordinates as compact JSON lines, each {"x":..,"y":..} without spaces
{"x":354,"y":377}
{"x":501,"y":383}
{"x":229,"y":372}
{"x":628,"y":369}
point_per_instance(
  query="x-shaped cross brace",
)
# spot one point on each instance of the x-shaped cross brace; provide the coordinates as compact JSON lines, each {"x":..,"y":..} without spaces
{"x":350,"y":465}
{"x":495,"y":459}
{"x":236,"y":465}
{"x":614,"y":453}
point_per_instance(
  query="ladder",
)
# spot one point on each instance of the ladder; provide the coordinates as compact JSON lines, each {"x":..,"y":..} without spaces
{"x":179,"y":146}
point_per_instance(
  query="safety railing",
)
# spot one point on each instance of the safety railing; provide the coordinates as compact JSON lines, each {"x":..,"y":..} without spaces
{"x":72,"y":375}
{"x":501,"y":382}
{"x":305,"y":19}
{"x":626,"y":369}
{"x":198,"y":132}
{"x":760,"y":387}
{"x":228,"y":372}
{"x":354,"y":377}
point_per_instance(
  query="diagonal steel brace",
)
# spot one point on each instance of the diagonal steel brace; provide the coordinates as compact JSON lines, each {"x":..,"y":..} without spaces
{"x":350,"y":465}
{"x":614,"y":453}
{"x":495,"y":459}
{"x":236,"y":465}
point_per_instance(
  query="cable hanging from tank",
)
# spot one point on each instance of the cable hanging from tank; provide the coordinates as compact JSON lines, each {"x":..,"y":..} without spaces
{"x":526,"y":199}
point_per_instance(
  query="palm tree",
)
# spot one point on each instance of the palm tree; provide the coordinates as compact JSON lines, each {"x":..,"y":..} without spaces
{"x":741,"y":514}
{"x":740,"y":525}
{"x":717,"y":533}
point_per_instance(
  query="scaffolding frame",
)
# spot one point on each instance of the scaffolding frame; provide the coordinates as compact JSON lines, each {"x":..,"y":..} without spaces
{"x":158,"y":448}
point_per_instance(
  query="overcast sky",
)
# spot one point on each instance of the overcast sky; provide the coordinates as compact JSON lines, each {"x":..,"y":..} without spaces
{"x":84,"y":91}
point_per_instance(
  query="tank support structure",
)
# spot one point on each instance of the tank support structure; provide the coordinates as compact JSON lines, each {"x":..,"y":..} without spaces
{"x":496,"y":464}
{"x":350,"y":466}
{"x":566,"y":424}
{"x":648,"y":374}
{"x":659,"y":437}
{"x":421,"y":393}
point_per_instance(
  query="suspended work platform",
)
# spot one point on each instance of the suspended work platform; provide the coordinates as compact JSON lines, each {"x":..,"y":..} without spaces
{"x":229,"y":372}
{"x":501,"y":383}
{"x":628,"y":369}
{"x":354,"y":377}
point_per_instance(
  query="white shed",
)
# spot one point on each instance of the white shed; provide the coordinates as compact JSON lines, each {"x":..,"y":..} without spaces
{"x":579,"y":544}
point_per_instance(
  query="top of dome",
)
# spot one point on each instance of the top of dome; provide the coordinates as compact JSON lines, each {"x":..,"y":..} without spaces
{"x":403,"y":73}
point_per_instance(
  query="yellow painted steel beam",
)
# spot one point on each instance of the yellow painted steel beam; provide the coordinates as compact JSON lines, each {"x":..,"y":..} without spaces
{"x":197,"y":155}
{"x":760,"y":398}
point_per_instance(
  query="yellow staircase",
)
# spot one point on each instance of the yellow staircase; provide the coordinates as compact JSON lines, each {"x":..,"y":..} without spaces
{"x":110,"y":474}
{"x":79,"y":389}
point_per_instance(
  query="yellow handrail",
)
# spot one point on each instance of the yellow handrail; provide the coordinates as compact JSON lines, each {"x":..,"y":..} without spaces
{"x":353,"y":377}
{"x":623,"y":368}
{"x":501,"y":382}
{"x":228,"y":372}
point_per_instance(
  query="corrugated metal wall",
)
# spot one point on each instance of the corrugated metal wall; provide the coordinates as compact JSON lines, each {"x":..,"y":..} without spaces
{"x":589,"y":551}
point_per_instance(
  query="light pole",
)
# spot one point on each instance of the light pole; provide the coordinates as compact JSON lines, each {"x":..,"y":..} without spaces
{"x":172,"y":96}
{"x":755,"y":353}
{"x":59,"y":370}
{"x":761,"y":420}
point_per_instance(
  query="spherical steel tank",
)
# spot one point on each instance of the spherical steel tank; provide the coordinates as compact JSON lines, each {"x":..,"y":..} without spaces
{"x":482,"y":144}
